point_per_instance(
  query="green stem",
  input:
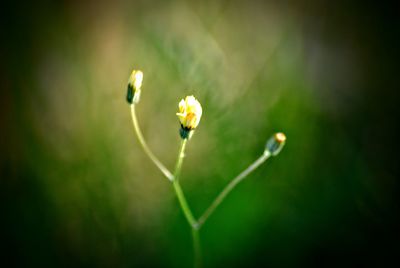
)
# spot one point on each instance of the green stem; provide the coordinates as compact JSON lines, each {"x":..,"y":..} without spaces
{"x":231,"y":186}
{"x":177,"y":187}
{"x":179,"y":162}
{"x":185,"y":207}
{"x":197,"y":248}
{"x":146,"y":149}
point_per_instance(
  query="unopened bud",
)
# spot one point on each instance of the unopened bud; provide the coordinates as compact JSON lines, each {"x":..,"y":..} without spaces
{"x":134,"y":85}
{"x":275,"y":143}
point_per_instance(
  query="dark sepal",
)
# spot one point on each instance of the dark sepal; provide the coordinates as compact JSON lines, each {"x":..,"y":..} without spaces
{"x":185,"y":133}
{"x":130,"y":94}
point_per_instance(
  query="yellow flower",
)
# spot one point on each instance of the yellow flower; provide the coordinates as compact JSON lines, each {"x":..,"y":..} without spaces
{"x":134,"y":85}
{"x":189,"y":113}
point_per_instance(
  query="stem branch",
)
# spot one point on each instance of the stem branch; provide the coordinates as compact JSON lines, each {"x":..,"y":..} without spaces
{"x":231,"y":186}
{"x":146,"y":149}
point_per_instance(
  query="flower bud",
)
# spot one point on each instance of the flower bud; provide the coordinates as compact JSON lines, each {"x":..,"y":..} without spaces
{"x":189,"y":115}
{"x":275,"y":143}
{"x":134,"y":85}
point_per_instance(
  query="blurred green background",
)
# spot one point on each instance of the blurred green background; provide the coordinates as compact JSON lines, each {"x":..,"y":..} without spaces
{"x":78,"y":191}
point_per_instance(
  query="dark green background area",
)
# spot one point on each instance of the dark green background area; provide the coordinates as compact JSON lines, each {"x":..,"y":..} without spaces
{"x":76,"y":190}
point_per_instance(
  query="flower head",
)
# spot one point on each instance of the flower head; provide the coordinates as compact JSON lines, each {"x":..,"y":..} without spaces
{"x":275,"y":143}
{"x":189,"y":113}
{"x":134,"y":85}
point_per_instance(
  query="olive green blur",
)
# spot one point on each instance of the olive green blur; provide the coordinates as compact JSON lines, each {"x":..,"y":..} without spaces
{"x":77,"y":190}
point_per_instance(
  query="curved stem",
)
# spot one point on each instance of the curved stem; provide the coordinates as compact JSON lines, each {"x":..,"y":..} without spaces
{"x":147,"y":150}
{"x":231,"y":186}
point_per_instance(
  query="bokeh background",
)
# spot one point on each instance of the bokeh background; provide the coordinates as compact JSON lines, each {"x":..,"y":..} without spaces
{"x":78,"y":191}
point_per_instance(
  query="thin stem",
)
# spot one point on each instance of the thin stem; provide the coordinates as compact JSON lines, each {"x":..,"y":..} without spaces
{"x":178,"y":190}
{"x":181,"y":155}
{"x":185,"y":207}
{"x":197,"y":248}
{"x":147,"y":150}
{"x":231,"y":186}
